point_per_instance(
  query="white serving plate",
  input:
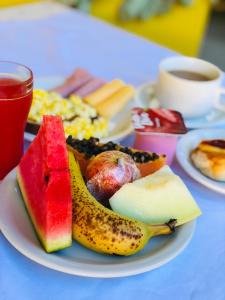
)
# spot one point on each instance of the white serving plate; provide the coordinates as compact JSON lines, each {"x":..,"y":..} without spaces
{"x":77,"y":260}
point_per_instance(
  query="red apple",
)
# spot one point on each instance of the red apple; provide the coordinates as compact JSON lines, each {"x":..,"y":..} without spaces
{"x":108,"y":171}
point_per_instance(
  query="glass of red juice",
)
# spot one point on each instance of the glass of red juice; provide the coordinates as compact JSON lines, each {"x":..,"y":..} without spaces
{"x":16,"y":87}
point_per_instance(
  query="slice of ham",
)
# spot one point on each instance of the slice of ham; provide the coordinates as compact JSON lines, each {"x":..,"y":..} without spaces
{"x":78,"y":78}
{"x":89,"y":87}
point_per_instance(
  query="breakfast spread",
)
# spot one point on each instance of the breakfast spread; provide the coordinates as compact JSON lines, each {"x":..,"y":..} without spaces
{"x":156,"y":198}
{"x":209,"y":158}
{"x":79,"y":119}
{"x":44,"y":179}
{"x":62,"y":198}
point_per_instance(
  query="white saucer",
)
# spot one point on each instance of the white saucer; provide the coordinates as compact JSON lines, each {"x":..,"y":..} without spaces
{"x":77,"y":260}
{"x":145,"y":97}
{"x":119,"y":126}
{"x":186,"y":144}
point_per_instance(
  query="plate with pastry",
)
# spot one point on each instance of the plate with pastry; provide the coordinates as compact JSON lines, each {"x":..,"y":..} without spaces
{"x":202,"y":155}
{"x":88,"y":105}
{"x":145,"y":97}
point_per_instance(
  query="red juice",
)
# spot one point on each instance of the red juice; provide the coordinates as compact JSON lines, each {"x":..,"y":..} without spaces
{"x":15,"y":102}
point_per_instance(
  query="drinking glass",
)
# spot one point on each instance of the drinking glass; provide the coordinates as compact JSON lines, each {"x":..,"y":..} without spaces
{"x":16,"y":87}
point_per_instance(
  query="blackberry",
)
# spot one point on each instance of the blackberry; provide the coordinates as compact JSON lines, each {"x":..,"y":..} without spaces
{"x":95,"y":151}
{"x":129,"y":151}
{"x":125,"y":149}
{"x":111,"y":145}
{"x":142,"y":159}
{"x":135,"y":158}
{"x":93,"y":140}
{"x":84,"y":142}
{"x":147,"y":156}
{"x":104,"y":148}
{"x":69,"y":140}
{"x":154,"y":156}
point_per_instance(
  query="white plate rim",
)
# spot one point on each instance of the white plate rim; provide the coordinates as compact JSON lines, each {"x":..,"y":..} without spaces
{"x":182,"y":155}
{"x":174,"y":247}
{"x":29,"y":137}
{"x":188,"y":122}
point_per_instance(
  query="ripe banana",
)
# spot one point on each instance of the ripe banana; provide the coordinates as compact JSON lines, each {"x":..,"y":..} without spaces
{"x":103,"y":230}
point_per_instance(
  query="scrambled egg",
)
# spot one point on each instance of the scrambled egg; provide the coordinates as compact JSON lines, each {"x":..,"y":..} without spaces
{"x":80,"y":119}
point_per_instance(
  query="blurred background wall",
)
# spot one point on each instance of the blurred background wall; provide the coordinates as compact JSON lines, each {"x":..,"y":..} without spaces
{"x":181,"y":29}
{"x":197,"y":29}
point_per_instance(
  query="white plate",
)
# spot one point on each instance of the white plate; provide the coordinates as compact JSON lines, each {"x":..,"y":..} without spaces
{"x":145,"y":97}
{"x":190,"y":141}
{"x":119,"y":127}
{"x":77,"y":260}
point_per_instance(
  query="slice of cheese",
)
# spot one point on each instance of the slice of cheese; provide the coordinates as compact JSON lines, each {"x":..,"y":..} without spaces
{"x":156,"y":199}
{"x":104,"y":92}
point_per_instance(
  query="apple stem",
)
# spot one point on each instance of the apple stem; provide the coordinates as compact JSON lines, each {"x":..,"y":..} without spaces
{"x":120,"y":162}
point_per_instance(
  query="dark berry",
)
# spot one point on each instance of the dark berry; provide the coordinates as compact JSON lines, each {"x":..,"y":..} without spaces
{"x":154,"y":156}
{"x":69,"y":139}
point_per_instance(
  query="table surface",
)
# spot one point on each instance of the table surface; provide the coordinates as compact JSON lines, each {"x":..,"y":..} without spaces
{"x":55,"y":45}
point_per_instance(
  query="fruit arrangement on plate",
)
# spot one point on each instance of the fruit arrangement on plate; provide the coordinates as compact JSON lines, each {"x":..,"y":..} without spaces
{"x":97,"y":194}
{"x":85,"y":103}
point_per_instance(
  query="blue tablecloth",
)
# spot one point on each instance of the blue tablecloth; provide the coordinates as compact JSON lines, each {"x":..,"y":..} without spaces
{"x":55,"y":46}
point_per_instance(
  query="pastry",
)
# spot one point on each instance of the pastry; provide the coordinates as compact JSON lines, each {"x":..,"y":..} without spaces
{"x":209,"y":158}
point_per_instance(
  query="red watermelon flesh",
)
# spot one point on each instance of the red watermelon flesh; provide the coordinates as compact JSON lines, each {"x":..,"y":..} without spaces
{"x":44,"y":179}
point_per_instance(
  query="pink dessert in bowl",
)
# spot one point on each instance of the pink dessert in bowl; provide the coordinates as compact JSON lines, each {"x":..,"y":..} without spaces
{"x":157,"y":130}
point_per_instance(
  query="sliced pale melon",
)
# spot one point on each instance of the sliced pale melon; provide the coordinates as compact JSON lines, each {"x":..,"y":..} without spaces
{"x":156,"y":199}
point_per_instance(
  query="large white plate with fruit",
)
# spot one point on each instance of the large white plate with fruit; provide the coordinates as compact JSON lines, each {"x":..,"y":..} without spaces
{"x":65,"y":187}
{"x":78,"y":260}
{"x":119,"y":125}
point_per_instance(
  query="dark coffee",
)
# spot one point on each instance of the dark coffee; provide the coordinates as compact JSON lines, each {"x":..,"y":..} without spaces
{"x":190,"y":75}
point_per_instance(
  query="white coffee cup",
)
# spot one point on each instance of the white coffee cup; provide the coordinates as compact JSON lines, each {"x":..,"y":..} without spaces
{"x":193,"y":98}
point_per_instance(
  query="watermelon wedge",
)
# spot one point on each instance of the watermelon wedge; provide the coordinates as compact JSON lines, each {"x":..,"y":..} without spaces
{"x":44,"y":180}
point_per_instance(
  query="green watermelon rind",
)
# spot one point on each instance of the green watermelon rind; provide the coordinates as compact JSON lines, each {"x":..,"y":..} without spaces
{"x":52,"y":245}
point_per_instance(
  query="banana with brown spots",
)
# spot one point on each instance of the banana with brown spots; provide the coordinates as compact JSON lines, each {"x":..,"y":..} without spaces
{"x":102,"y":230}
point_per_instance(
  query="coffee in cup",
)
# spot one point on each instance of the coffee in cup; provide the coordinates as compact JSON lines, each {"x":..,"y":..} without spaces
{"x":189,"y":85}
